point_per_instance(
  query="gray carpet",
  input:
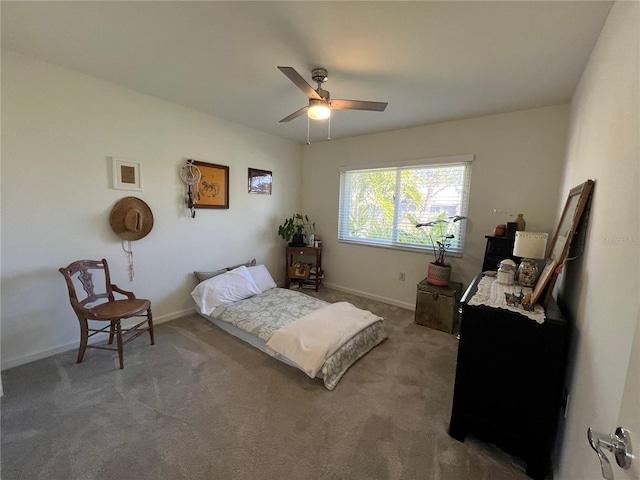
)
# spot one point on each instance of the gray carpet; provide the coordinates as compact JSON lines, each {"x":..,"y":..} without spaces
{"x":201,"y":404}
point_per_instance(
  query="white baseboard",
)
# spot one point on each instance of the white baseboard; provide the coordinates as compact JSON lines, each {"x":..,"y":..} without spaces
{"x":390,"y":301}
{"x":15,"y":362}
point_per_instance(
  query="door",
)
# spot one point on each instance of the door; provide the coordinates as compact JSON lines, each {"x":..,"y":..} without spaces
{"x":629,"y":414}
{"x":617,"y":449}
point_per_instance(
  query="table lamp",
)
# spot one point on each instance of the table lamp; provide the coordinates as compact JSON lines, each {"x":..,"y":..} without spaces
{"x":529,"y":246}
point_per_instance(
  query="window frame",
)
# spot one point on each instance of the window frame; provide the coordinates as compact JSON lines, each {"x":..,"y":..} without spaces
{"x":343,"y":215}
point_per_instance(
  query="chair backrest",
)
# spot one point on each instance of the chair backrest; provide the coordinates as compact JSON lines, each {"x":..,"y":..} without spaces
{"x":85,"y":283}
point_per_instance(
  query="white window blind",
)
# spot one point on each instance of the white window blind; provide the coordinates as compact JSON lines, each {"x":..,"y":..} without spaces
{"x":381,"y":205}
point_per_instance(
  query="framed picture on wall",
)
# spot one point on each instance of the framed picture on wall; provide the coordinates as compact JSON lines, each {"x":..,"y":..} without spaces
{"x":127,"y":175}
{"x":213,"y":188}
{"x":260,"y":181}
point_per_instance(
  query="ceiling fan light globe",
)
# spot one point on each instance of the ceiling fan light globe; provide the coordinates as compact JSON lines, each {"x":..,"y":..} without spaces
{"x":319,"y":112}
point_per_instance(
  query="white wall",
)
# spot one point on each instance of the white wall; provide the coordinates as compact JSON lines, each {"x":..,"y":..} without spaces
{"x":59,"y":129}
{"x":599,"y":290}
{"x":517,"y":168}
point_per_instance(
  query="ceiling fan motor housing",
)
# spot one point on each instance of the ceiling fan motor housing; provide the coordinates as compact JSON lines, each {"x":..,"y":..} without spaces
{"x":324,"y":94}
{"x":319,"y":75}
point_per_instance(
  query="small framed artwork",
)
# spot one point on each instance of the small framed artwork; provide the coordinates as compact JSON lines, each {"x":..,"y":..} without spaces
{"x":260,"y":181}
{"x":213,"y":187}
{"x":548,"y":270}
{"x":127,"y":175}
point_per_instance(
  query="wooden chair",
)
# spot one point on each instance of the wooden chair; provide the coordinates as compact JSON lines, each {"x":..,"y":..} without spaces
{"x":103,"y":307}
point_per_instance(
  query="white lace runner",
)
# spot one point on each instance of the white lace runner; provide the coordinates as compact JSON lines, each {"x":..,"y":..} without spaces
{"x":492,"y":294}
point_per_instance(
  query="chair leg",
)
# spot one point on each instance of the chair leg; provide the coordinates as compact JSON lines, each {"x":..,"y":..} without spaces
{"x":112,"y":332}
{"x":84,"y":335}
{"x":119,"y":339}
{"x":150,"y":322}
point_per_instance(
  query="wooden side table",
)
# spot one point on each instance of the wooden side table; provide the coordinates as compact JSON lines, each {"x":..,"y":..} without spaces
{"x":437,"y":307}
{"x":292,"y":253}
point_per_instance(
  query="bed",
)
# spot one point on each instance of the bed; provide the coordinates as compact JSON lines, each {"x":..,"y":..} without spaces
{"x":319,"y":338}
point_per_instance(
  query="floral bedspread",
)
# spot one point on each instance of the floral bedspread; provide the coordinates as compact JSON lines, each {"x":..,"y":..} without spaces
{"x":262,"y":315}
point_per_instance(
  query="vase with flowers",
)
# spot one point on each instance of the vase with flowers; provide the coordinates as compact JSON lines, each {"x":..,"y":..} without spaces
{"x":441,"y":234}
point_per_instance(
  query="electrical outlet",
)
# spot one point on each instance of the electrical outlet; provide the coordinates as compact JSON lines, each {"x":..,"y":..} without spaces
{"x":402,"y":276}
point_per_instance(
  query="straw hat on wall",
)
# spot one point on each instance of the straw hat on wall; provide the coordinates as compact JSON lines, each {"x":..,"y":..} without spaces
{"x":131,"y":218}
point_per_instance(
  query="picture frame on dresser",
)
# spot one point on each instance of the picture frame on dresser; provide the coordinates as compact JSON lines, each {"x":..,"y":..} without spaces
{"x":572,"y":214}
{"x":546,"y":274}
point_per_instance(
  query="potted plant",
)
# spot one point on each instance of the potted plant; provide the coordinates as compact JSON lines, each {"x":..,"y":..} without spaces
{"x":293,"y":229}
{"x":441,"y":236}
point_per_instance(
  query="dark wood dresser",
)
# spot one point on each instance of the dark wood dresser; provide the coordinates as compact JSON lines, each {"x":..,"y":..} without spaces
{"x":497,"y":249}
{"x":510,"y":376}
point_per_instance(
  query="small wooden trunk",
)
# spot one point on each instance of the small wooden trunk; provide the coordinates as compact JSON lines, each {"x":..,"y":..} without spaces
{"x":437,"y":307}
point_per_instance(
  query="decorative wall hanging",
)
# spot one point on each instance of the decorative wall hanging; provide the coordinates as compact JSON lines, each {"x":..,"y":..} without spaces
{"x":131,"y":219}
{"x":191,"y":175}
{"x":213,"y":188}
{"x":127,"y":175}
{"x":260,"y":181}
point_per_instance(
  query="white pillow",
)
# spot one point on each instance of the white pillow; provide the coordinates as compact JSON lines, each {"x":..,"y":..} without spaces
{"x":227,"y":288}
{"x":262,"y":277}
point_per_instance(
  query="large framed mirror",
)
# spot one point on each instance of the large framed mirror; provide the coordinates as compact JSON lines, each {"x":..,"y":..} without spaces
{"x":567,"y":226}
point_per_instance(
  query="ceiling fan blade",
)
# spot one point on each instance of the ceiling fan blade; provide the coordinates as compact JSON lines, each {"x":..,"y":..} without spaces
{"x":295,"y":114}
{"x":300,"y":82}
{"x":358,"y":105}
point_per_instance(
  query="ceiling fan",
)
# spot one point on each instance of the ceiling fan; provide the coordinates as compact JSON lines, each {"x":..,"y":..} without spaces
{"x":320,"y":103}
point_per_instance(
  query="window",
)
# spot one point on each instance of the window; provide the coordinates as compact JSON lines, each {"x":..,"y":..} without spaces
{"x":381,"y":205}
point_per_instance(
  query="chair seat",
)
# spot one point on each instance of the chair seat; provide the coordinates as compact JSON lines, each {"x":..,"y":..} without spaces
{"x":121,"y":308}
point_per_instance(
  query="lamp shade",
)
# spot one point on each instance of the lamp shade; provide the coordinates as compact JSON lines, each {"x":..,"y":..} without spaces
{"x":318,"y":110}
{"x":530,"y":244}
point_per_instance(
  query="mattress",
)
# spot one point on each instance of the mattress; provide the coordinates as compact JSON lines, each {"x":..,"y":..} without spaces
{"x":256,"y":319}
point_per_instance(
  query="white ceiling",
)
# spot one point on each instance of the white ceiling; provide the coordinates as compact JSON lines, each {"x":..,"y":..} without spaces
{"x":432,"y":61}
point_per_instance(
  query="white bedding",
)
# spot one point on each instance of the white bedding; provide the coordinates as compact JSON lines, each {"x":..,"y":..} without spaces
{"x":257,"y":318}
{"x":312,"y":339}
{"x":317,"y":337}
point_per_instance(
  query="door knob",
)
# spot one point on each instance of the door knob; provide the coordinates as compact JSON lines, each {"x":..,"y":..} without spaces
{"x":619,"y":444}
